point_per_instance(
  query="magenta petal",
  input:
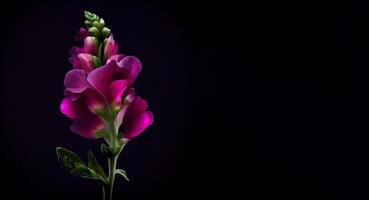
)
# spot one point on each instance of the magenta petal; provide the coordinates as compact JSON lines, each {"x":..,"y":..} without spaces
{"x":75,"y":81}
{"x":130,"y":66}
{"x":127,"y":101}
{"x":117,"y":89}
{"x":94,"y":101}
{"x":86,"y":61}
{"x":74,"y":51}
{"x":90,"y":45}
{"x":85,"y":123}
{"x":82,"y":34}
{"x":72,"y":96}
{"x":111,"y":47}
{"x":117,"y":58}
{"x":136,"y":119}
{"x":141,"y":123}
{"x":71,"y":109}
{"x":101,"y":78}
{"x":88,"y":129}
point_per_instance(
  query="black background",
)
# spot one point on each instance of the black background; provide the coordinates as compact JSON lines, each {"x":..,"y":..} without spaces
{"x":251,"y":100}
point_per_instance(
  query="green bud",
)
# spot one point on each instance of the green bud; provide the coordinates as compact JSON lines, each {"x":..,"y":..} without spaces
{"x":94,"y":32}
{"x":87,"y":14}
{"x":105,"y":32}
{"x":88,"y":23}
{"x":97,"y":25}
{"x":95,"y":17}
{"x":102,"y":22}
{"x":105,"y":41}
{"x":96,"y":61}
{"x":89,"y":17}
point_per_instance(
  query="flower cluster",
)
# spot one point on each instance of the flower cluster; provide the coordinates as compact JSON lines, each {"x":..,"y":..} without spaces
{"x":99,"y":97}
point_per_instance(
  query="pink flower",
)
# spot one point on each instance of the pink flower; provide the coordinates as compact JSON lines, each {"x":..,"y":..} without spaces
{"x":111,"y":48}
{"x":133,"y":116}
{"x":81,"y":35}
{"x":92,"y":92}
{"x":136,"y":118}
{"x":90,"y":47}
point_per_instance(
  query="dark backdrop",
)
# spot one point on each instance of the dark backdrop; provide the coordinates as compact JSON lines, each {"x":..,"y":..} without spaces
{"x":251,"y":100}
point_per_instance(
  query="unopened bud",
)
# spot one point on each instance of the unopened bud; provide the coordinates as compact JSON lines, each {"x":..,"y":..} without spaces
{"x":87,"y":13}
{"x":94,"y":32}
{"x":88,"y":16}
{"x":102,"y":22}
{"x":88,"y":23}
{"x":105,"y":32}
{"x":97,"y":25}
{"x":105,"y":41}
{"x":96,"y":61}
{"x":95,"y":17}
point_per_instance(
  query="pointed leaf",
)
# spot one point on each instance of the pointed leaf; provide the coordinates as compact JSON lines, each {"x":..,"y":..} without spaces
{"x":122,"y":173}
{"x":67,"y":158}
{"x":85,"y":172}
{"x":73,"y":163}
{"x":95,"y":166}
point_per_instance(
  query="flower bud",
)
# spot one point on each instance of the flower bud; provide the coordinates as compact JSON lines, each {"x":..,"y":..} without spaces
{"x":111,"y":48}
{"x":102,"y":22}
{"x":91,"y":45}
{"x":87,"y":13}
{"x":97,"y":25}
{"x":88,"y":23}
{"x":94,"y":32}
{"x":105,"y":32}
{"x":88,"y":16}
{"x":95,"y":17}
{"x":96,"y":61}
{"x":86,"y":61}
{"x":91,"y":17}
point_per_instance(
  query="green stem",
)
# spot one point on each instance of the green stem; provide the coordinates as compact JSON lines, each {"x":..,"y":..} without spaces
{"x":110,"y":185}
{"x":104,"y":197}
{"x":112,"y":161}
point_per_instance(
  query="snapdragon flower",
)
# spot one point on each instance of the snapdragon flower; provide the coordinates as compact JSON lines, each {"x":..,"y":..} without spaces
{"x":100,"y":100}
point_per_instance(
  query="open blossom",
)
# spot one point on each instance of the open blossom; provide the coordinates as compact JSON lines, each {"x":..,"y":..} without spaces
{"x":92,"y":91}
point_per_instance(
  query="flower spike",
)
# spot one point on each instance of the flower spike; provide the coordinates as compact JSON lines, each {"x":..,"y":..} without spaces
{"x":100,"y":101}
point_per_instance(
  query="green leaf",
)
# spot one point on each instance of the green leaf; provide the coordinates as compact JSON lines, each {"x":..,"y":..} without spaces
{"x":95,"y":166}
{"x":84,"y":172}
{"x":96,"y":61}
{"x":73,"y":163}
{"x":122,"y":173}
{"x":67,"y":158}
